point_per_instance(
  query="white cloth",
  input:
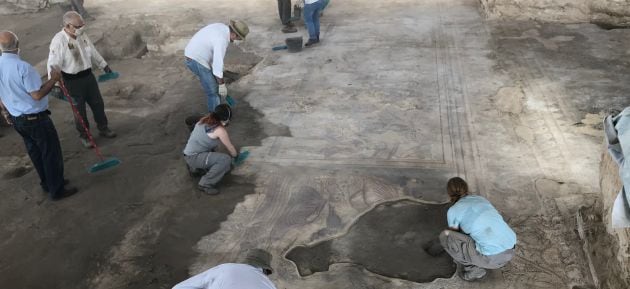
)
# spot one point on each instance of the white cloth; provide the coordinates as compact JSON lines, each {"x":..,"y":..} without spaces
{"x":209,"y":45}
{"x":228,"y":276}
{"x":310,"y":1}
{"x":73,"y":55}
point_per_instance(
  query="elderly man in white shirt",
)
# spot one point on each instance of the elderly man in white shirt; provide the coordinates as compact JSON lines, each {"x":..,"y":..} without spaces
{"x":205,"y":53}
{"x":73,"y":51}
{"x":250,"y":274}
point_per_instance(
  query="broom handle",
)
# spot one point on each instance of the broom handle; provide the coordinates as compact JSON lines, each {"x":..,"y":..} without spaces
{"x":77,"y":115}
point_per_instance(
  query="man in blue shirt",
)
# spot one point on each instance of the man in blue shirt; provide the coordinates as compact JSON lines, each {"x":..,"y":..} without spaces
{"x":24,"y":104}
{"x":477,"y":238}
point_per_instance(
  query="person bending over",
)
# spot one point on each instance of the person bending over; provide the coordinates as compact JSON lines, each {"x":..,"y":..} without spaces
{"x":200,"y":151}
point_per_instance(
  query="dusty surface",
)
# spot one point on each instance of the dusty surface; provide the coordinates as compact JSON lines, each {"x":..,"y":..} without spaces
{"x":397,"y":98}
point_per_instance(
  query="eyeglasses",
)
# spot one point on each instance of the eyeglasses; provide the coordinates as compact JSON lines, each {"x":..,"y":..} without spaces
{"x":77,"y":27}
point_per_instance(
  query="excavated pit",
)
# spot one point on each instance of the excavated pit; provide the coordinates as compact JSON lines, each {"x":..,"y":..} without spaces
{"x":387,"y":241}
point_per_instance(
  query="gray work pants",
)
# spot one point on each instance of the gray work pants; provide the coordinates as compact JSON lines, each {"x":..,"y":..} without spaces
{"x":463,"y":250}
{"x":217,"y":164}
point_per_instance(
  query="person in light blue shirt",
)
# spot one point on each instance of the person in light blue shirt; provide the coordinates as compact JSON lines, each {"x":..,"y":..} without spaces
{"x":477,"y":238}
{"x":24,"y":104}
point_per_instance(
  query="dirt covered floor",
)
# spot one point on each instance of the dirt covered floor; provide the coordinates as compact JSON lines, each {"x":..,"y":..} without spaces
{"x":398,"y":97}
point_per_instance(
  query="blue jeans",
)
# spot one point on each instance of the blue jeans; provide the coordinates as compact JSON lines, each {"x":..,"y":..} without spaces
{"x":208,"y":82}
{"x":311,"y":18}
{"x":42,"y":144}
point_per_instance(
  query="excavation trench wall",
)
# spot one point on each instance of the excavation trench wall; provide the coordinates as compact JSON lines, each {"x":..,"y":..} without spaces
{"x":610,"y":13}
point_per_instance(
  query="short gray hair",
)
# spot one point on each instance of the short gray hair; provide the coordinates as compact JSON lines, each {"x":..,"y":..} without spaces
{"x":12,"y":44}
{"x":69,"y":16}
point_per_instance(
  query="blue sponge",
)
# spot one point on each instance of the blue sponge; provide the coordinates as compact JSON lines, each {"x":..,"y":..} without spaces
{"x":108,"y":76}
{"x":240,"y":159}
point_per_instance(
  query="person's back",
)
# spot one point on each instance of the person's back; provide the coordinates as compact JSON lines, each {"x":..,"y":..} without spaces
{"x":10,"y":66}
{"x":478,"y":218}
{"x":251,"y":274}
{"x":203,"y":44}
{"x":241,"y":276}
{"x":199,"y":141}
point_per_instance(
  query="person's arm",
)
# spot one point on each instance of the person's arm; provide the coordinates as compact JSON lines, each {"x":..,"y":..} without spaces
{"x":56,"y":53}
{"x":97,"y":59}
{"x":33,"y":81}
{"x":223,"y":136}
{"x":217,"y":60}
{"x":5,"y":113}
{"x":452,"y":220}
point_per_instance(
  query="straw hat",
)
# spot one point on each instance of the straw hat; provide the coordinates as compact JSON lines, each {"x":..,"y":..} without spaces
{"x":240,"y":28}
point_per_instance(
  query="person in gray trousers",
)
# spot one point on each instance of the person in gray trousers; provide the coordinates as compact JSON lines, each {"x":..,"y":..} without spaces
{"x":200,"y":151}
{"x":477,"y":237}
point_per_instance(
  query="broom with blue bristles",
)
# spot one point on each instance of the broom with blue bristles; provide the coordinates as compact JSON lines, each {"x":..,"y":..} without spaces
{"x":104,"y":163}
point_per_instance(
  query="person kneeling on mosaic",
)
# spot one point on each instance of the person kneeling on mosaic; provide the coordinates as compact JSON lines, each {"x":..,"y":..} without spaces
{"x":477,"y":238}
{"x":200,"y":151}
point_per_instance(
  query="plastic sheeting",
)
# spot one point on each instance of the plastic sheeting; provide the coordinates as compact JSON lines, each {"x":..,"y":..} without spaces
{"x":617,"y":129}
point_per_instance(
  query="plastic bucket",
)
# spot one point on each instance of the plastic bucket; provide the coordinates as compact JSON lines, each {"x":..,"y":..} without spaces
{"x":294,"y":44}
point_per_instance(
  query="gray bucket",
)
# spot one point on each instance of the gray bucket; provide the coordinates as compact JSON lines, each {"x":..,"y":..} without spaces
{"x":294,"y":44}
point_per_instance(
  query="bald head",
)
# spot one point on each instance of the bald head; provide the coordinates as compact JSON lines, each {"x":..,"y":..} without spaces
{"x":9,"y":42}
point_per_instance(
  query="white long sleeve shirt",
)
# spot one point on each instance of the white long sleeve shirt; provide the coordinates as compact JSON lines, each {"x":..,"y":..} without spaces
{"x":208,"y":47}
{"x":228,"y":276}
{"x":73,"y":55}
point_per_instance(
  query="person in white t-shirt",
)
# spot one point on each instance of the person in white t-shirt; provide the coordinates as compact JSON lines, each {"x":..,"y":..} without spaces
{"x":204,"y":57}
{"x":251,"y":273}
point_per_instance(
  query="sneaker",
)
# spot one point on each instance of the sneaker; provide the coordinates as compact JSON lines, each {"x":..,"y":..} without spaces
{"x":86,"y":143}
{"x":208,"y":190}
{"x":289,"y":29}
{"x":311,"y":42}
{"x":67,"y":191}
{"x":107,"y":133}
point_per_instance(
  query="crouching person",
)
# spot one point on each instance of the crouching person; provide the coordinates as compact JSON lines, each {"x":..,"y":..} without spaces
{"x":477,"y":238}
{"x":200,"y":153}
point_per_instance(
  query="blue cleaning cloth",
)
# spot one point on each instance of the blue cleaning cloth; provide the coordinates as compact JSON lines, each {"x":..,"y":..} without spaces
{"x":231,"y":101}
{"x":108,"y":76}
{"x":279,"y":47}
{"x":240,"y":159}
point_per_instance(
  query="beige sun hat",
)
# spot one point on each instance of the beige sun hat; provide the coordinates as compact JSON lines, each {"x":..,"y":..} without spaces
{"x":258,"y":258}
{"x":240,"y":28}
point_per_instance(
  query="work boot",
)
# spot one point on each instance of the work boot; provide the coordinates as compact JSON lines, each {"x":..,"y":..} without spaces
{"x":107,"y":133}
{"x":86,"y":143}
{"x":311,"y":42}
{"x":289,"y":29}
{"x":67,"y":191}
{"x":209,"y":190}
